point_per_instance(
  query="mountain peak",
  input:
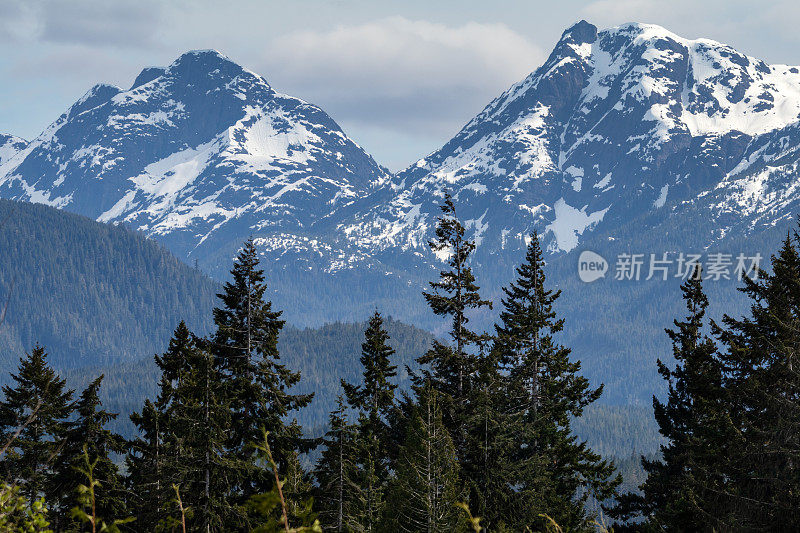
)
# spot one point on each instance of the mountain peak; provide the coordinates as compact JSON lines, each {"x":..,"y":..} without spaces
{"x":206,"y":58}
{"x":197,"y":66}
{"x":580,"y":33}
{"x":99,"y":94}
{"x":147,"y":75}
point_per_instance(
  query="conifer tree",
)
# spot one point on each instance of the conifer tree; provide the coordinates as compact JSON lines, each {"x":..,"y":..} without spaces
{"x":546,"y":467}
{"x":373,"y":399}
{"x":454,"y":295}
{"x":762,"y":359}
{"x":146,"y":460}
{"x":88,"y":434}
{"x":255,"y":385}
{"x":298,"y":489}
{"x":199,"y":418}
{"x":183,"y":437}
{"x":334,"y":472}
{"x":153,"y":454}
{"x":683,"y":487}
{"x":484,"y":469}
{"x":426,"y":489}
{"x":37,"y":406}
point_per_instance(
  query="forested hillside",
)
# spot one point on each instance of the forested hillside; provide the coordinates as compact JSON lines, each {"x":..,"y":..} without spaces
{"x":91,"y":293}
{"x":322,"y":355}
{"x":103,"y":299}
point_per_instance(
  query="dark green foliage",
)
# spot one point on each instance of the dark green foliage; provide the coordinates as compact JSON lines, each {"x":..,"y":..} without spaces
{"x":88,"y":434}
{"x":375,"y":395}
{"x":372,"y":400}
{"x":182,"y":439}
{"x":198,"y":421}
{"x":92,"y":293}
{"x":683,"y":487}
{"x":281,"y":509}
{"x":426,"y":487}
{"x":146,"y":462}
{"x":37,"y":407}
{"x":453,"y":366}
{"x":216,"y":398}
{"x":254,"y":384}
{"x":761,"y":357}
{"x":485,"y":467}
{"x":546,"y":469}
{"x":334,"y":472}
{"x":89,"y":512}
{"x":453,"y":296}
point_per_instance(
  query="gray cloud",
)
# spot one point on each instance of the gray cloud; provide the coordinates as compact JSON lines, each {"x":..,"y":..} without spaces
{"x":101,"y":22}
{"x":17,"y":20}
{"x":405,"y":74}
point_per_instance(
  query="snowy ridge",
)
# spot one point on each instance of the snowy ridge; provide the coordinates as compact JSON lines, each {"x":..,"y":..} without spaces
{"x":9,"y":147}
{"x":616,"y":123}
{"x":618,"y":127}
{"x":191,"y":150}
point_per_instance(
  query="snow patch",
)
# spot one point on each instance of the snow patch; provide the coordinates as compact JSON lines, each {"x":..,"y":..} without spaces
{"x":570,"y":223}
{"x":662,"y":197}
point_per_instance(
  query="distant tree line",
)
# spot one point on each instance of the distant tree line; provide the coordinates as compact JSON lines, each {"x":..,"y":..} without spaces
{"x":482,"y":441}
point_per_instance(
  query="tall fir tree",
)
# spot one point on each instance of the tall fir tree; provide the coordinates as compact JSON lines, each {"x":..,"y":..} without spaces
{"x":88,"y":434}
{"x":426,"y":489}
{"x":546,"y":468}
{"x":762,"y":359}
{"x":36,"y":409}
{"x":683,"y":488}
{"x":453,"y":296}
{"x":372,"y":399}
{"x":152,"y":454}
{"x":256,"y":387}
{"x":146,"y":464}
{"x":484,"y":469}
{"x":452,"y":366}
{"x":199,"y":419}
{"x":334,"y":472}
{"x":182,"y":441}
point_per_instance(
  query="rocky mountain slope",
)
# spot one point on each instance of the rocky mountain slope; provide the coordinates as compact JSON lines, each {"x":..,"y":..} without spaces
{"x":198,"y":155}
{"x":616,"y":124}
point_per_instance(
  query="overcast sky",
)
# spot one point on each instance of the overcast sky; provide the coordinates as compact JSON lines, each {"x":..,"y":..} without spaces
{"x":401,"y":77}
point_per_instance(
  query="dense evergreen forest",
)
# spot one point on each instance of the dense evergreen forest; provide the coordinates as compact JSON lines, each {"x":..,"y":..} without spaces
{"x":89,"y":291}
{"x":482,"y":437}
{"x":323,"y":356}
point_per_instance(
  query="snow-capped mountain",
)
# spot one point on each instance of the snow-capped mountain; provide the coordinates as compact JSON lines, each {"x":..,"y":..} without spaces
{"x":616,"y":124}
{"x":619,"y":124}
{"x":198,"y":155}
{"x":9,"y":146}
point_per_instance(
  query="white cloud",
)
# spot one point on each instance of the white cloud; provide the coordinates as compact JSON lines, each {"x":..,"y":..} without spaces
{"x":410,"y":72}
